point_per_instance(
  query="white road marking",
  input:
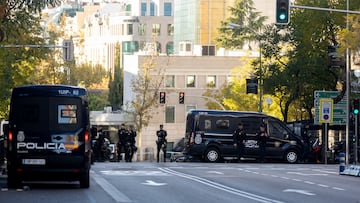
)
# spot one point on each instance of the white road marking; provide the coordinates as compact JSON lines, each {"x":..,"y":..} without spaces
{"x":321,"y":185}
{"x":309,"y":182}
{"x":306,"y":174}
{"x":109,"y":188}
{"x":216,"y":172}
{"x":134,"y":173}
{"x":153,"y":183}
{"x":303,"y":192}
{"x":338,"y":188}
{"x":219,"y":186}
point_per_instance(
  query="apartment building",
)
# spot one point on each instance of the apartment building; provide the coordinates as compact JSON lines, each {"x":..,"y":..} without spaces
{"x":136,"y":26}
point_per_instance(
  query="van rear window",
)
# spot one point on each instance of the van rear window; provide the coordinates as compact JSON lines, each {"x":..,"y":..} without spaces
{"x":47,"y":114}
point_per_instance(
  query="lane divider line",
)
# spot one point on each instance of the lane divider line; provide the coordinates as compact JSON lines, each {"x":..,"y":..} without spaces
{"x":221,"y":187}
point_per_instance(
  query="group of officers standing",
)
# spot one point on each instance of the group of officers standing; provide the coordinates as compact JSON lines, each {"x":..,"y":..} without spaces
{"x":126,"y":142}
{"x":239,"y":137}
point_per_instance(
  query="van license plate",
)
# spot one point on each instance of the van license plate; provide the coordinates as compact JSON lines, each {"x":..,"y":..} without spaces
{"x":33,"y":161}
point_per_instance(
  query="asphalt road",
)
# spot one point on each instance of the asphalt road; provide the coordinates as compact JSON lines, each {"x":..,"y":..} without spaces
{"x":196,"y":182}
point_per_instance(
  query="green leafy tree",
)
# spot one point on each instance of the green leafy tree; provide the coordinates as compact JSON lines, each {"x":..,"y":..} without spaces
{"x":249,"y":22}
{"x":19,"y":24}
{"x":97,"y":99}
{"x":116,"y":84}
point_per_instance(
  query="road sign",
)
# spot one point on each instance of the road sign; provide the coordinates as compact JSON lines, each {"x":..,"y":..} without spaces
{"x":339,"y":109}
{"x":326,"y":110}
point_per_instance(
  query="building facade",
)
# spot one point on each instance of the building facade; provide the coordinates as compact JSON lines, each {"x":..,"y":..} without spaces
{"x":134,"y":26}
{"x":193,"y":75}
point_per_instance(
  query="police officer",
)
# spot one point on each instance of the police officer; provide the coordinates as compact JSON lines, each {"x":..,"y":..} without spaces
{"x":306,"y":139}
{"x":239,"y":136}
{"x":161,"y":142}
{"x":132,"y":141}
{"x":262,"y":138}
{"x":123,"y":135}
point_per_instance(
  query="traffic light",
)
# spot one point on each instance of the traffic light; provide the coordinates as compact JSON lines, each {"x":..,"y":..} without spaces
{"x":181,"y":97}
{"x":356,"y":106}
{"x":282,"y":12}
{"x":162,"y":97}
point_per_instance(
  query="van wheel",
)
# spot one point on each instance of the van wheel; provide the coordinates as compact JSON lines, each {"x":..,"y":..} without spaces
{"x":212,"y":155}
{"x":291,"y":156}
{"x":85,"y":180}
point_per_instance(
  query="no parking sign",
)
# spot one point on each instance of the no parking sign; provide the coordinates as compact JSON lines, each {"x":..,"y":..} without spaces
{"x":326,"y":111}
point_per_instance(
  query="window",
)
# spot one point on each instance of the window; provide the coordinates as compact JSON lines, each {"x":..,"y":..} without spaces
{"x":276,"y":130}
{"x":170,"y":29}
{"x":170,"y":114}
{"x":156,"y":29}
{"x":170,"y":48}
{"x":129,"y":47}
{"x":130,"y":30}
{"x":188,"y":47}
{"x":142,"y":29}
{"x":185,"y":46}
{"x":208,"y":50}
{"x":190,"y":81}
{"x":170,"y":81}
{"x":143,"y":9}
{"x":211,"y":81}
{"x":167,"y":9}
{"x":152,"y":9}
{"x":67,"y":114}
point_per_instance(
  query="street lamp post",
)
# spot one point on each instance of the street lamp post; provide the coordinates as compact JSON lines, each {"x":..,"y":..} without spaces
{"x":235,"y":26}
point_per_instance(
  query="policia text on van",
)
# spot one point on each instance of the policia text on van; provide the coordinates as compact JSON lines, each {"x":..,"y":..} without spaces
{"x":48,"y":135}
{"x":209,"y":135}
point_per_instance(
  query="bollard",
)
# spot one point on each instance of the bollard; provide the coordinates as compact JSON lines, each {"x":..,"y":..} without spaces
{"x":342,"y":162}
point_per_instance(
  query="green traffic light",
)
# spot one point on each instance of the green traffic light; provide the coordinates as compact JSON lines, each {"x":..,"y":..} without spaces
{"x":356,"y":111}
{"x":282,"y":16}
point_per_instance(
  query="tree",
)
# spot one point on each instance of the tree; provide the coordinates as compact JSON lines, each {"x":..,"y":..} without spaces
{"x":146,"y":86}
{"x":116,"y":83}
{"x":249,"y":21}
{"x":19,"y":24}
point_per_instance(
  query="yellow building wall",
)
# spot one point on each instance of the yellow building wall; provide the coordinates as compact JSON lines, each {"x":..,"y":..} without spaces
{"x":212,"y":12}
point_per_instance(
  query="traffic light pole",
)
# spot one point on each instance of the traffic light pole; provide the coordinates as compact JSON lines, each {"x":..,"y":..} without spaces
{"x":356,"y":139}
{"x":325,"y":9}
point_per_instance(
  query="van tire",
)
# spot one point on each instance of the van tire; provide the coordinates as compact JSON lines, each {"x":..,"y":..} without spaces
{"x":291,"y":156}
{"x":212,"y":155}
{"x":85,"y":180}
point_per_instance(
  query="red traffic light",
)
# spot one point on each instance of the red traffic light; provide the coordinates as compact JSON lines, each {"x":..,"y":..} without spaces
{"x":181,"y":97}
{"x":162,"y":97}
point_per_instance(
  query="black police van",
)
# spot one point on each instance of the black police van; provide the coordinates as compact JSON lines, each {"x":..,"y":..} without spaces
{"x":209,"y":135}
{"x":48,"y":135}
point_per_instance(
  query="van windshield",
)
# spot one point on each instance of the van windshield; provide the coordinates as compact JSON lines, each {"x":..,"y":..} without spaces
{"x":51,"y":114}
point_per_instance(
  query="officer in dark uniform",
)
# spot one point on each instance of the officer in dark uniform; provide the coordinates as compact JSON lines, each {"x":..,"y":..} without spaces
{"x":132,"y":141}
{"x":306,"y":138}
{"x":239,"y":136}
{"x":262,"y":136}
{"x":123,"y":135}
{"x":161,"y":142}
